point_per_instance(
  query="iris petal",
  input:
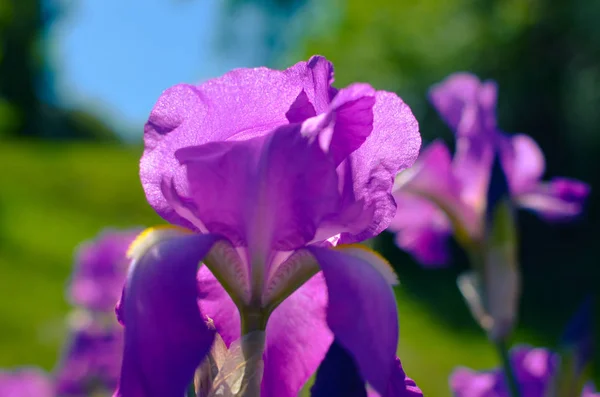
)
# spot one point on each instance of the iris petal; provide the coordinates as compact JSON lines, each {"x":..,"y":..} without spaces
{"x":362,"y":310}
{"x":166,"y":336}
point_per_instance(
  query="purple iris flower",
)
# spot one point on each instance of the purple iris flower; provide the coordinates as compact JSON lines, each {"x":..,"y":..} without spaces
{"x":25,"y":382}
{"x":265,"y":172}
{"x":441,"y":195}
{"x":534,"y":368}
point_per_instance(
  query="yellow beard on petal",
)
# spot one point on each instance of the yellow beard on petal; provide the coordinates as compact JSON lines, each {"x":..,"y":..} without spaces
{"x":150,"y":236}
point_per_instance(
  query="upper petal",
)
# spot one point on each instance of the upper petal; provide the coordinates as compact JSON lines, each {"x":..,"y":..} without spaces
{"x":166,"y":336}
{"x":466,"y":103}
{"x":242,"y":104}
{"x":266,"y":193}
{"x":25,"y":382}
{"x":393,"y":145}
{"x":559,"y":199}
{"x":297,"y":339}
{"x":362,"y":309}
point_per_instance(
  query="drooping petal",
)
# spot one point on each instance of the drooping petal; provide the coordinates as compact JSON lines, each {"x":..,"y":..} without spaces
{"x":25,"y":382}
{"x":533,"y":370}
{"x":297,"y":339}
{"x":361,"y":311}
{"x":421,"y":228}
{"x":100,"y":269}
{"x":217,"y":305}
{"x":400,"y":385}
{"x":242,"y":104}
{"x":338,"y":375}
{"x":393,"y":145}
{"x":432,"y":178}
{"x":557,"y":200}
{"x":166,"y":336}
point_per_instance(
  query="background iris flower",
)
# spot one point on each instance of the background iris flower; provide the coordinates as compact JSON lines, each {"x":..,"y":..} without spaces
{"x":442,"y":195}
{"x":90,"y":361}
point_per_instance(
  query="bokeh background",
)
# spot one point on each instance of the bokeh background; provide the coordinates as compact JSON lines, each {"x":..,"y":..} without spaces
{"x":78,"y":79}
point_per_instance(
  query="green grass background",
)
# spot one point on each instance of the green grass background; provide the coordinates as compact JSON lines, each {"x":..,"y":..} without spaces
{"x":54,"y":196}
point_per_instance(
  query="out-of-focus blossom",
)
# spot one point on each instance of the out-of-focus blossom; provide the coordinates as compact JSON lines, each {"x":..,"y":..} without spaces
{"x":441,"y":195}
{"x":534,"y":368}
{"x":100,"y":271}
{"x":91,"y":360}
{"x":26,"y":382}
{"x":267,"y":170}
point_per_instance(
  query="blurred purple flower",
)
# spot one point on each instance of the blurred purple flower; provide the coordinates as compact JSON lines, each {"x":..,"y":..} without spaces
{"x":100,"y":271}
{"x":441,"y":195}
{"x":91,"y":361}
{"x":535,"y":369}
{"x":25,"y":382}
{"x":270,"y":169}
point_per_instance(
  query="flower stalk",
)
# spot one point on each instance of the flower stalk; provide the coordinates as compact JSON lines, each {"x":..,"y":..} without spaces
{"x":509,"y":373}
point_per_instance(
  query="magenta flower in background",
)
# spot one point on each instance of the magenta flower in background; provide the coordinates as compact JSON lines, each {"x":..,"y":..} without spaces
{"x":90,"y":362}
{"x":91,"y":359}
{"x":535,"y":369}
{"x":267,"y":170}
{"x":441,"y":195}
{"x":100,"y":270}
{"x":25,"y":382}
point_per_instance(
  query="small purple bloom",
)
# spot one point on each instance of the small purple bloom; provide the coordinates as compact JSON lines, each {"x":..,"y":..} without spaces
{"x":25,"y":382}
{"x":535,"y":369}
{"x":91,"y":361}
{"x":269,"y":170}
{"x":100,"y":271}
{"x":449,"y":194}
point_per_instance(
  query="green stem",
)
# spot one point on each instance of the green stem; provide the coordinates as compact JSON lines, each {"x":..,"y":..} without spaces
{"x":509,"y":373}
{"x":252,"y":321}
{"x":191,"y":392}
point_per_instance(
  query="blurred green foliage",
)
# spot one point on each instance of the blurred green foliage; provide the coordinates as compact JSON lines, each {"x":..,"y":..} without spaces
{"x":52,"y":197}
{"x":27,"y":99}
